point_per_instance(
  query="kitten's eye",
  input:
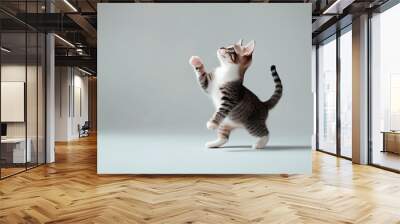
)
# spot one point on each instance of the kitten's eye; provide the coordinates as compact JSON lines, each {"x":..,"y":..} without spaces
{"x":230,"y":50}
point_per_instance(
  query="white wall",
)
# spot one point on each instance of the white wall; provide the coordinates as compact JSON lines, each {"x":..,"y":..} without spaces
{"x":15,"y":72}
{"x":69,"y":82}
{"x":62,"y":81}
{"x":79,"y":117}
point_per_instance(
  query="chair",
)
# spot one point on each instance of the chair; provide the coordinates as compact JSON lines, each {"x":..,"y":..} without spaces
{"x":84,"y":129}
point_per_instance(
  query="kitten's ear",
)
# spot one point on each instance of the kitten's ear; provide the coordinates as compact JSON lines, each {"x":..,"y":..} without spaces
{"x":249,"y":48}
{"x":240,"y":42}
{"x":238,"y":48}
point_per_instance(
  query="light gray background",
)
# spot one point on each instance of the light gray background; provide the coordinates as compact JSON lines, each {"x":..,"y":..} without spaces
{"x":152,"y":113}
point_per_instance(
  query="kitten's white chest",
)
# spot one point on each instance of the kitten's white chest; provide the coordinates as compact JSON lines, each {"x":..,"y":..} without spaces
{"x":221,"y":77}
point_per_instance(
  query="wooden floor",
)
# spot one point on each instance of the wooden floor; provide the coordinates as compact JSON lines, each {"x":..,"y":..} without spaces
{"x":70,"y":191}
{"x":386,"y":159}
{"x":5,"y":172}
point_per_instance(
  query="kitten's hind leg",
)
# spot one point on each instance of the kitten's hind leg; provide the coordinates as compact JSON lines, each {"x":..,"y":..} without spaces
{"x":259,"y":130}
{"x":223,"y":135}
{"x":261,"y":142}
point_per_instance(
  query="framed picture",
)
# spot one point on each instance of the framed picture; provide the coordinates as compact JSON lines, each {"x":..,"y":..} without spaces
{"x":204,"y":88}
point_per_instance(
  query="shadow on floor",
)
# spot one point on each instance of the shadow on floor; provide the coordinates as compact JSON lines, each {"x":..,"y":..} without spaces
{"x":248,"y":148}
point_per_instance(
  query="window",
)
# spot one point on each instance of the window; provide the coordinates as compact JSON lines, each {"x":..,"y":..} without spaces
{"x":385,"y":89}
{"x":333,"y":137}
{"x":346,"y":93}
{"x":327,"y":96}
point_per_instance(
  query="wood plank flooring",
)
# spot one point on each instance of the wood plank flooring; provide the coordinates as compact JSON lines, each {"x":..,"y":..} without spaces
{"x":70,"y":191}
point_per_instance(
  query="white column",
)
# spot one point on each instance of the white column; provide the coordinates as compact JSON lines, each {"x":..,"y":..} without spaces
{"x":50,"y":91}
{"x":360,"y":90}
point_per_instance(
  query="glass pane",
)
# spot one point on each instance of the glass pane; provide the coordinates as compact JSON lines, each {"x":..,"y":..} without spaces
{"x":31,"y":100}
{"x":13,"y":88}
{"x":346,"y":94}
{"x":22,"y":88}
{"x":327,"y":96}
{"x":32,"y":87}
{"x":41,"y":98}
{"x":386,"y":89}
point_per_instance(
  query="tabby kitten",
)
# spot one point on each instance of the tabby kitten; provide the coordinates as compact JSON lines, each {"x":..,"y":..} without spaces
{"x":236,"y":106}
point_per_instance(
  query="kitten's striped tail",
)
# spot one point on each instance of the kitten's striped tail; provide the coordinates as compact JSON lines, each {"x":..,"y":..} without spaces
{"x":278,"y":90}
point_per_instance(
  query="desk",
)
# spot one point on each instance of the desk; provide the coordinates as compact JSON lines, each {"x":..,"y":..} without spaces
{"x":391,"y":141}
{"x":13,"y":150}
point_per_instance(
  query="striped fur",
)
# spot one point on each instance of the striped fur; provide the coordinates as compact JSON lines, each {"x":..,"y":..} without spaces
{"x":278,"y":89}
{"x":232,"y":94}
{"x":202,"y":77}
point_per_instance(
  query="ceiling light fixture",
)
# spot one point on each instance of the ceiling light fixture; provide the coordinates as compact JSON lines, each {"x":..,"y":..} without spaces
{"x":70,"y":5}
{"x":84,"y":71}
{"x":79,"y":51}
{"x":5,"y":50}
{"x":337,"y":7}
{"x":329,"y":9}
{"x":64,"y":40}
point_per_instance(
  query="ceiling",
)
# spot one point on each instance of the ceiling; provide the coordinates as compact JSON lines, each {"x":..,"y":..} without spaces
{"x":75,"y":21}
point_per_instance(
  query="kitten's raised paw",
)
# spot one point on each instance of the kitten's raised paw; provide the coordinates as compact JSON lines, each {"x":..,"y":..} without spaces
{"x":195,"y":61}
{"x":211,"y":125}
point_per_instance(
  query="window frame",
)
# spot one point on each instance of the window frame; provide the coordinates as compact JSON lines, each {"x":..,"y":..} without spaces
{"x":334,"y":37}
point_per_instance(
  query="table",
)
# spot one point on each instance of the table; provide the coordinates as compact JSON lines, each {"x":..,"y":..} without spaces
{"x":391,"y":141}
{"x":13,"y":150}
